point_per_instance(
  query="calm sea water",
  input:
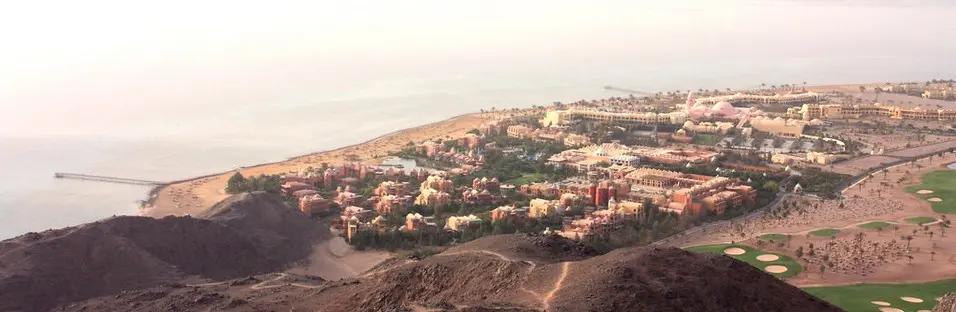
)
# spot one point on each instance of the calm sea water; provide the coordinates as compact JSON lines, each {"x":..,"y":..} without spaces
{"x":116,"y":108}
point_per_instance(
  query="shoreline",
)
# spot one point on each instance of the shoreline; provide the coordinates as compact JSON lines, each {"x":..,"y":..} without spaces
{"x":155,"y":190}
{"x":202,"y":192}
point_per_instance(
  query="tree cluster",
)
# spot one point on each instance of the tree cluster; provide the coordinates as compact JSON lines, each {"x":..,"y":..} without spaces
{"x":265,"y":183}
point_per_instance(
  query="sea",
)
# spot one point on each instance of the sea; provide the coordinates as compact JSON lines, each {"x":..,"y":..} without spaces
{"x":176,"y":89}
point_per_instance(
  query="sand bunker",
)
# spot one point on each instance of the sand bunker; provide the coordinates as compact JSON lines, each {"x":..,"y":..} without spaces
{"x":885,"y":309}
{"x":924,"y":192}
{"x":734,"y":251}
{"x":923,"y":311}
{"x":768,"y":258}
{"x":775,"y":269}
{"x":935,"y":199}
{"x":912,"y":299}
{"x":881,"y":303}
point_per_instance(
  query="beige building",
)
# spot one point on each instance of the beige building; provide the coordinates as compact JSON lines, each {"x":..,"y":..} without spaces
{"x":825,"y":159}
{"x":708,"y":127}
{"x":742,"y":98}
{"x":542,"y":208}
{"x":838,"y":111}
{"x":778,"y":126}
{"x":458,"y":223}
{"x":520,"y":131}
{"x":785,"y":159}
{"x":576,"y":140}
{"x":563,"y":117}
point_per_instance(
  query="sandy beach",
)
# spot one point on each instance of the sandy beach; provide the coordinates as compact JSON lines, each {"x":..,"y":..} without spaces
{"x":197,"y":194}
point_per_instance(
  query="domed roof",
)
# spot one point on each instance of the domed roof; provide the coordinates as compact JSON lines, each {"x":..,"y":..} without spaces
{"x":723,"y":108}
{"x":600,"y":151}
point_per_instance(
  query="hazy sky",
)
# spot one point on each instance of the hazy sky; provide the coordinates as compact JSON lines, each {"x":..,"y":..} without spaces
{"x":107,"y":61}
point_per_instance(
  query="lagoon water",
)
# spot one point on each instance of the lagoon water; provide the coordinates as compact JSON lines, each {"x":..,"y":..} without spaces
{"x":171,"y":95}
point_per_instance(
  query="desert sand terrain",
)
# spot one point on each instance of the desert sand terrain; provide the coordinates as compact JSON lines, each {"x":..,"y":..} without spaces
{"x":857,"y":254}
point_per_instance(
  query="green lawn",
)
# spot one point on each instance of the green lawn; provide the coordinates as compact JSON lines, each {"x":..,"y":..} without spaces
{"x":857,"y":297}
{"x":943,"y":185}
{"x":920,"y":220}
{"x":705,"y":139}
{"x":825,"y":232}
{"x":751,"y":257}
{"x":874,"y":225}
{"x":526,"y":178}
{"x":774,"y":237}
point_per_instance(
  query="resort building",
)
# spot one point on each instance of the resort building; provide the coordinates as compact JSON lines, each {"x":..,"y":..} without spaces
{"x":591,"y":157}
{"x":347,"y":198}
{"x":602,"y":222}
{"x":511,"y":212}
{"x":569,"y":116}
{"x":574,"y":140}
{"x":520,"y":131}
{"x":392,"y":204}
{"x":471,"y":141}
{"x":588,"y":158}
{"x":433,"y":198}
{"x":571,"y":200}
{"x":778,"y":126}
{"x":458,"y":223}
{"x":824,"y":158}
{"x":483,"y":197}
{"x":288,"y":188}
{"x":786,"y":159}
{"x":742,"y":98}
{"x":686,"y":193}
{"x":352,"y":215}
{"x":438,"y":182}
{"x":416,"y":222}
{"x":673,"y":156}
{"x":543,"y":208}
{"x":625,"y":160}
{"x":856,"y":111}
{"x":545,"y":190}
{"x":708,"y":127}
{"x":947,"y":95}
{"x":353,"y":226}
{"x":392,"y":188}
{"x":492,"y":185}
{"x":311,"y":204}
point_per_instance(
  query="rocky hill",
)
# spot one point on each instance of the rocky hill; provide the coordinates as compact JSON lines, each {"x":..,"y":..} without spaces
{"x":244,"y":235}
{"x":501,"y":273}
{"x":947,"y":303}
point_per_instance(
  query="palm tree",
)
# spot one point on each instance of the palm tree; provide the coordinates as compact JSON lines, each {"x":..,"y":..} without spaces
{"x":931,"y":235}
{"x":932,"y":254}
{"x":908,"y":240}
